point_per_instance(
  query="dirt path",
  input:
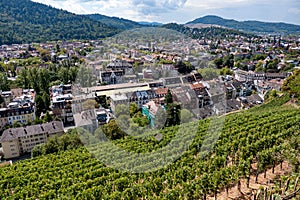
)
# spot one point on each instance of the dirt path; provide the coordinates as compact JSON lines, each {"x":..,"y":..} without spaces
{"x":233,"y":192}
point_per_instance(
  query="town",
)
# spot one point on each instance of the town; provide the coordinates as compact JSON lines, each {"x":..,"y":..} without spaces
{"x":87,"y":81}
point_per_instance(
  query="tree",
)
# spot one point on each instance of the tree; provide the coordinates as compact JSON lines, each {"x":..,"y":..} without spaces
{"x":4,"y":84}
{"x":172,"y":114}
{"x":169,"y":97}
{"x":46,"y":100}
{"x":140,"y":119}
{"x":172,"y":111}
{"x":112,"y":130}
{"x":23,"y":80}
{"x":43,"y":79}
{"x":89,"y":104}
{"x":40,"y":105}
{"x":47,"y":118}
{"x":45,"y":55}
{"x":218,"y":62}
{"x":292,"y":84}
{"x":121,"y":109}
{"x":209,"y":73}
{"x":185,"y":116}
{"x":85,"y":77}
{"x":228,"y":61}
{"x":38,"y":150}
{"x":133,"y":109}
{"x":37,"y":121}
{"x":17,"y":124}
{"x":226,"y":71}
{"x":160,"y":118}
{"x":184,"y":67}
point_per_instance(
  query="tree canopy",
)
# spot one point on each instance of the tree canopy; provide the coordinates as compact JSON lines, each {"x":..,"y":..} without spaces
{"x":26,"y":21}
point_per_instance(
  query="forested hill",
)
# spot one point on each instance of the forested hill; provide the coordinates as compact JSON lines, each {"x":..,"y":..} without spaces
{"x":119,"y":23}
{"x":207,"y":33}
{"x":249,"y":26}
{"x":24,"y":21}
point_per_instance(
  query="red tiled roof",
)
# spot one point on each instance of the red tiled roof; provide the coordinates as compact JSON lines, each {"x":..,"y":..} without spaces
{"x":159,"y":91}
{"x":197,"y":86}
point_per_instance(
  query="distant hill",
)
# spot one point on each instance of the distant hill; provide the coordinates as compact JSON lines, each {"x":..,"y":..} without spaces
{"x":249,"y":26}
{"x":24,"y":21}
{"x":211,"y":32}
{"x":119,"y":23}
{"x":151,"y":23}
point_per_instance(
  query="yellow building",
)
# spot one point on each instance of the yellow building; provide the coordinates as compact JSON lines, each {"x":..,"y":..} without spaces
{"x":17,"y":141}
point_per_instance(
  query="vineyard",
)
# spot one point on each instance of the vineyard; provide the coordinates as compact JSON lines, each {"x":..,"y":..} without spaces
{"x":265,"y":137}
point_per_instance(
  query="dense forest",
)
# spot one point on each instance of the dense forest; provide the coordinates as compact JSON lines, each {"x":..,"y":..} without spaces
{"x":26,"y":21}
{"x":207,"y":33}
{"x":249,"y":26}
{"x":118,"y":23}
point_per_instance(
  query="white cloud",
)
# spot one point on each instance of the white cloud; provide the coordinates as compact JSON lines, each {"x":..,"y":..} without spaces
{"x":294,"y":10}
{"x":176,"y":10}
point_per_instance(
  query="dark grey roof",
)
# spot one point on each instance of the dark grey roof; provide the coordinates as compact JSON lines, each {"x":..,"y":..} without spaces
{"x":119,"y":64}
{"x":173,"y":80}
{"x":15,"y":133}
{"x":254,"y":99}
{"x":233,"y":104}
{"x":237,"y":84}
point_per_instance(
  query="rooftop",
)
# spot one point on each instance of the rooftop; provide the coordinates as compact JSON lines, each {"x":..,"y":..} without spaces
{"x":15,"y":133}
{"x":160,"y":91}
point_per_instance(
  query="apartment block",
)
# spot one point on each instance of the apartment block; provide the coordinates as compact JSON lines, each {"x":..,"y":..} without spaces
{"x":18,"y":141}
{"x":19,"y":107}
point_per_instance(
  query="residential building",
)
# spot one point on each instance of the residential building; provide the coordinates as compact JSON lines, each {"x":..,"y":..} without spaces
{"x":120,"y":64}
{"x":19,"y":107}
{"x":103,"y":116}
{"x":186,"y":97}
{"x":141,"y":97}
{"x":62,"y":108}
{"x":112,"y":77}
{"x":17,"y":141}
{"x":160,"y":94}
{"x":117,"y":99}
{"x":150,"y":110}
{"x":86,"y":119}
{"x":172,"y":82}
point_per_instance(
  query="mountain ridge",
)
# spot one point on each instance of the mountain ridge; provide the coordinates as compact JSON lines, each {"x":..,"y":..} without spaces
{"x":248,"y":25}
{"x":27,"y":21}
{"x":116,"y":22}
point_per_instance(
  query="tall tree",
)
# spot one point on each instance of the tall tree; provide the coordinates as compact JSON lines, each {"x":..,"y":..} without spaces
{"x":133,"y":109}
{"x":112,"y":130}
{"x":169,"y":97}
{"x":292,"y":84}
{"x":4,"y":85}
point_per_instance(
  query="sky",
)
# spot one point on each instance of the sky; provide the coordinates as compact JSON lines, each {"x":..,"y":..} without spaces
{"x":182,"y":11}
